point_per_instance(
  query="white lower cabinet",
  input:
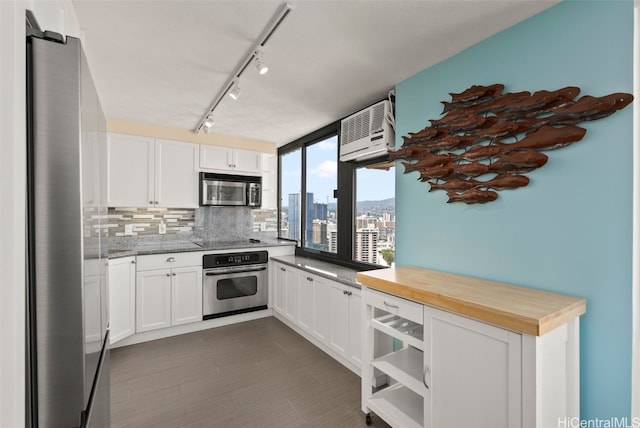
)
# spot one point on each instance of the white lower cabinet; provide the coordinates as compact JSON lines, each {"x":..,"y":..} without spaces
{"x":279,"y":286}
{"x":321,"y":303}
{"x":305,"y":301}
{"x":186,"y":295}
{"x":354,"y":350}
{"x":339,"y":319}
{"x":168,"y":296}
{"x":122,"y":298}
{"x":153,"y":299}
{"x":291,"y":294}
{"x":327,"y":312}
{"x":424,"y":367}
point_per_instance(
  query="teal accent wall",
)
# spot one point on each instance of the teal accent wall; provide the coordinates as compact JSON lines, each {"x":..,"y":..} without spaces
{"x":569,"y":231}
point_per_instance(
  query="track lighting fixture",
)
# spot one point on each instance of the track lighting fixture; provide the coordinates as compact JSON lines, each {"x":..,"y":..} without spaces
{"x":260,"y":65}
{"x":208,"y":124}
{"x":231,"y":86}
{"x":234,"y":92}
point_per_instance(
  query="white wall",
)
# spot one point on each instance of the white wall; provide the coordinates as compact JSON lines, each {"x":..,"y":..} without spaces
{"x":57,"y":16}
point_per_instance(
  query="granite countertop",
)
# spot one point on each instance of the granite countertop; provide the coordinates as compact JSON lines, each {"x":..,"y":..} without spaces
{"x":189,"y":246}
{"x":327,"y":270}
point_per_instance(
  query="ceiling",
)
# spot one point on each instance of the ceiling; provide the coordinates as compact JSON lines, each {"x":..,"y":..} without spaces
{"x":164,"y":62}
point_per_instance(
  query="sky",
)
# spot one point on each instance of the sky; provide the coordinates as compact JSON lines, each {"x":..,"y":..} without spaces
{"x":322,"y":175}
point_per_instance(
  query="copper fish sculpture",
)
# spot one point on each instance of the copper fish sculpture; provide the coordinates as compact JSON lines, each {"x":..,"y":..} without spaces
{"x":487,"y":139}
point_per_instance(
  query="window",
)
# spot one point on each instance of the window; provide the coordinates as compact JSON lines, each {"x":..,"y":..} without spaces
{"x":321,"y":223}
{"x":289,"y":207}
{"x":338,"y":211}
{"x":375,"y":215}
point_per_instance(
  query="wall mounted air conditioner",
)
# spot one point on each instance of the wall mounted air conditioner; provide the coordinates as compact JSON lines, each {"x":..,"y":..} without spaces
{"x":368,"y":133}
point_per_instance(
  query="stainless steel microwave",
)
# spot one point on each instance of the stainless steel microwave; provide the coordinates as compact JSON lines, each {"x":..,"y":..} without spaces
{"x":230,"y":190}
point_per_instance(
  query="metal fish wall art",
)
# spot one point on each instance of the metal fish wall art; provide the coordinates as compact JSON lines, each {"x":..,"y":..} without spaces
{"x":484,"y":131}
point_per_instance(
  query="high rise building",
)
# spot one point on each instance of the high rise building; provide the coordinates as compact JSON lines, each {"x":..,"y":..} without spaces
{"x":320,"y":237}
{"x":367,"y":245}
{"x":293,"y":211}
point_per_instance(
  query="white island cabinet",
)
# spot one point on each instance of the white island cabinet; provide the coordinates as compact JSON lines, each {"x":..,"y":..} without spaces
{"x":443,"y":350}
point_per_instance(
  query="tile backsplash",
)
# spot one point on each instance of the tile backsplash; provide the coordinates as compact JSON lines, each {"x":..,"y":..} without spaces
{"x":204,"y":223}
{"x":146,"y":221}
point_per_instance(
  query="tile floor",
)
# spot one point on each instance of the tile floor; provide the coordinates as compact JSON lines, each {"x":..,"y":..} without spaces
{"x":254,"y":374}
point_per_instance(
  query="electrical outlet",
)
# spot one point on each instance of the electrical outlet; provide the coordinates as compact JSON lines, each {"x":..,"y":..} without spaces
{"x":162,"y":228}
{"x":128,"y":229}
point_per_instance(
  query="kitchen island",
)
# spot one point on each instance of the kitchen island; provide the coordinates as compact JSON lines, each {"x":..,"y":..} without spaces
{"x":442,"y":350}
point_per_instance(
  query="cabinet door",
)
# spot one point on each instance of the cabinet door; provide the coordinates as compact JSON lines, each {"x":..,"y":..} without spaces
{"x":291,"y":295}
{"x":186,"y":295}
{"x":122,"y":298}
{"x":247,"y":161}
{"x":214,"y":157}
{"x":339,"y":319}
{"x":176,"y":174}
{"x":269,"y":181}
{"x":473,"y":371}
{"x":321,"y":307}
{"x":279,"y":287}
{"x":355,"y":326}
{"x":153,"y":299}
{"x":131,"y":176}
{"x":305,"y":300}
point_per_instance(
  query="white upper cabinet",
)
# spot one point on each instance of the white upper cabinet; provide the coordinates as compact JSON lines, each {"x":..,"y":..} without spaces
{"x":269,"y":181}
{"x":152,"y":173}
{"x":130,"y":181}
{"x":231,"y":161}
{"x":176,"y":174}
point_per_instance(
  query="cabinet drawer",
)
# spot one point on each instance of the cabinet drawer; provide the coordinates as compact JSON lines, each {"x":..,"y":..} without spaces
{"x":169,"y":260}
{"x":405,"y":308}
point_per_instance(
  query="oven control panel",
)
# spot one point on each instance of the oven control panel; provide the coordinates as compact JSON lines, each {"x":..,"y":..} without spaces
{"x":234,"y":259}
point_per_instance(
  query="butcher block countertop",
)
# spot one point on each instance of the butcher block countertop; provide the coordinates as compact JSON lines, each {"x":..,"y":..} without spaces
{"x":521,"y":309}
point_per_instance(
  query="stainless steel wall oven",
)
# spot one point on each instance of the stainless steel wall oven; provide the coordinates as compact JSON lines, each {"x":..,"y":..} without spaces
{"x":234,"y":283}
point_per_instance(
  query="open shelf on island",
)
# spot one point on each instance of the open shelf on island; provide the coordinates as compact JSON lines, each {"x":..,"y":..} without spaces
{"x":399,"y":406}
{"x":408,"y":332}
{"x":405,"y":366}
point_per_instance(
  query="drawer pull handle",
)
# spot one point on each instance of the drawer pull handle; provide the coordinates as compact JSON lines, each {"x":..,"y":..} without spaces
{"x":133,"y":262}
{"x":309,"y":279}
{"x":174,"y":274}
{"x":390,"y":305}
{"x":168,"y":274}
{"x":349,"y":293}
{"x":283,"y":269}
{"x":424,"y":375}
{"x":171,"y":259}
{"x":344,"y":292}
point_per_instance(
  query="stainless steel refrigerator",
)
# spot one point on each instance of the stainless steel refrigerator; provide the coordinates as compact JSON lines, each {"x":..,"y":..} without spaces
{"x":68,"y":357}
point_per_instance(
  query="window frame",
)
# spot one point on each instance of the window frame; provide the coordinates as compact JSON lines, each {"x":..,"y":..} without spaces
{"x":345,"y":196}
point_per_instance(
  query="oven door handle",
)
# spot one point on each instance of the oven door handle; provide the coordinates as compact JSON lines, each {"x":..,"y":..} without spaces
{"x":236,"y":269}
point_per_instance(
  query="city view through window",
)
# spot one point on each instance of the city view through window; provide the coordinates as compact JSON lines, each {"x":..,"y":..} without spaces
{"x":374,"y":222}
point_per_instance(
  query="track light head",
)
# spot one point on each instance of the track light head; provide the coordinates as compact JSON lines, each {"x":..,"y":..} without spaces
{"x":260,"y":65}
{"x":235,"y":90}
{"x":208,"y":124}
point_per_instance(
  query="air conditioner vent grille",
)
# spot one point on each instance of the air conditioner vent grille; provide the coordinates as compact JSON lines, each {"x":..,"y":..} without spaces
{"x":378,"y":118}
{"x":367,"y":133}
{"x":355,"y":128}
